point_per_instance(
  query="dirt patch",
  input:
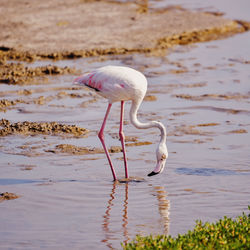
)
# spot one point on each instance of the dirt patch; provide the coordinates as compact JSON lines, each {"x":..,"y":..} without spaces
{"x":133,"y":144}
{"x":8,"y":196}
{"x":75,"y":150}
{"x":180,"y":113}
{"x":17,"y":73}
{"x":150,"y":98}
{"x":33,"y":128}
{"x":208,"y":124}
{"x":195,"y":141}
{"x":238,"y":131}
{"x":26,"y":167}
{"x":32,"y":30}
{"x":127,"y":137}
{"x":188,"y":130}
{"x":4,"y":104}
{"x":213,"y":97}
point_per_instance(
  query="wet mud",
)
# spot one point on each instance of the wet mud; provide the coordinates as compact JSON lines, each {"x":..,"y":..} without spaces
{"x":76,"y":150}
{"x":8,"y":196}
{"x":159,"y":47}
{"x":32,"y":128}
{"x":17,"y":73}
{"x":4,"y":104}
{"x":205,"y":97}
{"x":131,"y":179}
{"x":135,"y":32}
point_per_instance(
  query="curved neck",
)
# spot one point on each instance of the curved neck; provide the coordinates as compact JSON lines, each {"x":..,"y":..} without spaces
{"x":133,"y":117}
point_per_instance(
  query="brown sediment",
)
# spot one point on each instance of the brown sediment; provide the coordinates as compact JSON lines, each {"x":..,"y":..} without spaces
{"x":27,"y":167}
{"x":132,"y":144}
{"x":226,"y":110}
{"x":180,"y":113}
{"x":213,"y":96}
{"x":29,"y":128}
{"x":86,"y":103}
{"x":17,"y":73}
{"x":195,"y":191}
{"x":76,"y":150}
{"x":195,"y":141}
{"x":8,"y":196}
{"x":238,"y":131}
{"x":244,"y":24}
{"x":127,"y":137}
{"x":27,"y":92}
{"x":150,"y":98}
{"x":188,"y":130}
{"x":131,"y":138}
{"x":208,"y":124}
{"x":130,"y":179}
{"x":178,"y":71}
{"x":76,"y":28}
{"x":190,"y":85}
{"x":207,"y":34}
{"x":4,"y":104}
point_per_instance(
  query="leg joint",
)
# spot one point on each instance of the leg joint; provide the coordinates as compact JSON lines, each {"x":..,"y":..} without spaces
{"x":121,"y":134}
{"x":101,"y":136}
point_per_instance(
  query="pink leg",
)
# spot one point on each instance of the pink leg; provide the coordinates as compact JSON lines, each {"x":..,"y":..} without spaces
{"x":101,"y":137}
{"x":122,"y":137}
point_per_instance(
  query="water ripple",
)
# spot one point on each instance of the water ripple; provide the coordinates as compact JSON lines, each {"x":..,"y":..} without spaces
{"x":208,"y":171}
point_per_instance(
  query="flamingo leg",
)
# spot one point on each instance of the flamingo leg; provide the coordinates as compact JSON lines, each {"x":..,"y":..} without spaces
{"x":101,"y":137}
{"x":122,"y":137}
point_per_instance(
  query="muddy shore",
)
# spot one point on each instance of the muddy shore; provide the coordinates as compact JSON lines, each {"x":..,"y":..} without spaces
{"x":76,"y":28}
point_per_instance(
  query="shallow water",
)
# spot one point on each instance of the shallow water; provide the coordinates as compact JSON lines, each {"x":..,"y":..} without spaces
{"x":202,"y":93}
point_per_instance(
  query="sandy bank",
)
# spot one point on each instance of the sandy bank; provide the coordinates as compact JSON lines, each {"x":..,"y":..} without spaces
{"x":85,"y":28}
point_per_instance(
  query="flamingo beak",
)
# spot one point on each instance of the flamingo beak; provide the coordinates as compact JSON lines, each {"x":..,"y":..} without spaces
{"x":159,"y":167}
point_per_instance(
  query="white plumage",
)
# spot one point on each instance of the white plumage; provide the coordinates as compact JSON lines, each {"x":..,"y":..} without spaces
{"x":116,"y":83}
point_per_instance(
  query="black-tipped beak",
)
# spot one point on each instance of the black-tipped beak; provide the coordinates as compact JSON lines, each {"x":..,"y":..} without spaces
{"x":153,"y":173}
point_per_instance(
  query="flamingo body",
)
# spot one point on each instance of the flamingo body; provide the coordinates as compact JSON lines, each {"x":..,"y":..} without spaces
{"x":117,"y":83}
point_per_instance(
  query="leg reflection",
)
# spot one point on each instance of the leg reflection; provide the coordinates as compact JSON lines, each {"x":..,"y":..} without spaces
{"x":107,"y":216}
{"x":117,"y":210}
{"x":125,"y":215}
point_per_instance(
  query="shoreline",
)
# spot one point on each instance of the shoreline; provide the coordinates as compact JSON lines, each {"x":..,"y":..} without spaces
{"x":76,"y":29}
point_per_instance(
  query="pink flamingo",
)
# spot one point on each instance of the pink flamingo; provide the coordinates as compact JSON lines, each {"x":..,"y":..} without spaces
{"x":123,"y":84}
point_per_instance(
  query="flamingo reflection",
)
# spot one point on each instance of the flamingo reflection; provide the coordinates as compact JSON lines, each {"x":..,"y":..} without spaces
{"x":111,"y":235}
{"x":164,"y":207}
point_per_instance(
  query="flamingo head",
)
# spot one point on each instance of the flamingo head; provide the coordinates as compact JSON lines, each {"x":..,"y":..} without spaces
{"x":161,"y":156}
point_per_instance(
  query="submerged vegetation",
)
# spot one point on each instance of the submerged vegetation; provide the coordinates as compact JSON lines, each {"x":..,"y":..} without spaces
{"x":224,"y":234}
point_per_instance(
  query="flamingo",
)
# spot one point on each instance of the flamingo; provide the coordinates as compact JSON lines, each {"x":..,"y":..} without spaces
{"x":120,"y":84}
